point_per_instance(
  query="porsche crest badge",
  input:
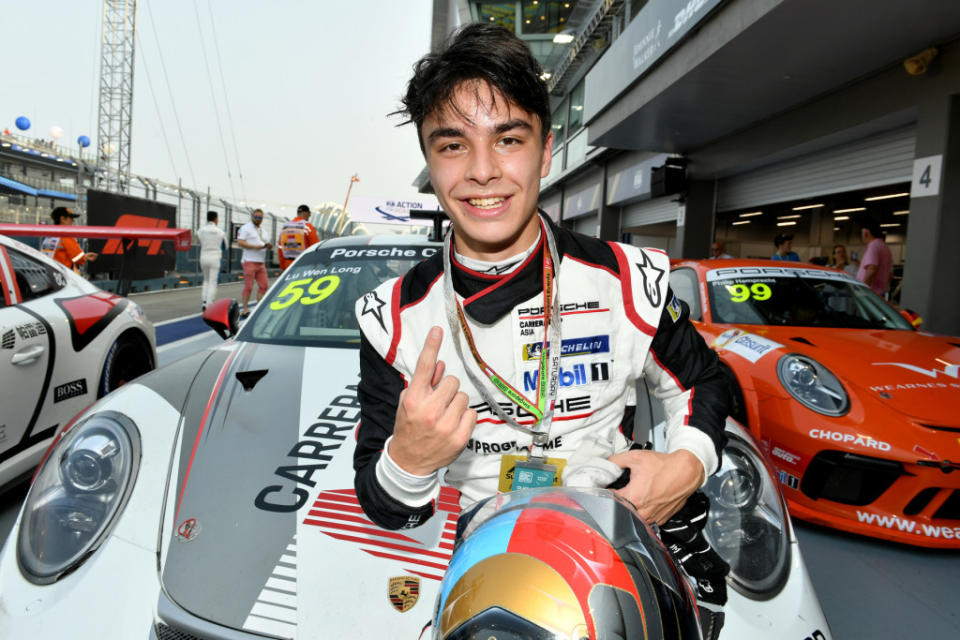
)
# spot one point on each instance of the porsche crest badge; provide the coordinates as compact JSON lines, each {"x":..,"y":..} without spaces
{"x":404,"y":592}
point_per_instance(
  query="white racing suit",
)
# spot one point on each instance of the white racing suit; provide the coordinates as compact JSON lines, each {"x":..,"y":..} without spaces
{"x":620,"y":321}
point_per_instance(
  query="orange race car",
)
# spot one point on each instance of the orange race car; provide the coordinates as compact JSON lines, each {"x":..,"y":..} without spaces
{"x":858,"y":412}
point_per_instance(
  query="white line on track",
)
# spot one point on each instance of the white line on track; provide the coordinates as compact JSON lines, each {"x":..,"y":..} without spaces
{"x":187,"y":340}
{"x":180,"y":319}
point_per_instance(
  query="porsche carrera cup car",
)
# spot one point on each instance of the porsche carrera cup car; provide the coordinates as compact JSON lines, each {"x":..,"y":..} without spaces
{"x":858,"y":412}
{"x":63,"y":344}
{"x":214,"y":498}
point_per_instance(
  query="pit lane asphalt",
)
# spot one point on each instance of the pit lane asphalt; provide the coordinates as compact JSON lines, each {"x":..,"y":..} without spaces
{"x":867,"y":588}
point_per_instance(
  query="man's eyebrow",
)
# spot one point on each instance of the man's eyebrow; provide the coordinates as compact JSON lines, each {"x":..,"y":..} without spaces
{"x":510,"y":125}
{"x":444,"y":132}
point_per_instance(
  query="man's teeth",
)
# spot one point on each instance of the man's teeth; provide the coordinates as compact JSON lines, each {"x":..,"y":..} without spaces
{"x":485,"y":203}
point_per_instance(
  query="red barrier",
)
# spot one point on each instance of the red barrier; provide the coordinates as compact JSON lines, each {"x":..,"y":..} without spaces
{"x":180,"y":237}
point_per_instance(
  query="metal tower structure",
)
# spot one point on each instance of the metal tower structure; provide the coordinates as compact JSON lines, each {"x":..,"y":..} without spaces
{"x":115,"y":114}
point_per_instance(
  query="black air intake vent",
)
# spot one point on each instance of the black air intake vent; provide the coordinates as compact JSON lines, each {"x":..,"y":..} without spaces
{"x":950,"y":509}
{"x":849,"y":478}
{"x":169,"y":633}
{"x":803,"y":340}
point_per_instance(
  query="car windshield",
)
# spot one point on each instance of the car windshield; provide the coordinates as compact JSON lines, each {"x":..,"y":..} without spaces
{"x":797,"y":297}
{"x":312,"y":304}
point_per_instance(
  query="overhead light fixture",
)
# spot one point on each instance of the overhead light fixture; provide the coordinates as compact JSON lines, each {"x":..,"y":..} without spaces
{"x":891,"y":224}
{"x":808,"y":206}
{"x":740,"y":222}
{"x":901,"y":213}
{"x":888,"y":196}
{"x":786,"y":224}
{"x":790,"y":217}
{"x":563,"y":38}
{"x":751,"y":214}
{"x":836,"y":228}
{"x":850,"y":210}
{"x":839,"y":218}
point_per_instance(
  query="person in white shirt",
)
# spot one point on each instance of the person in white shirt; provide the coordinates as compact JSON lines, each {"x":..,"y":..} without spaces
{"x":211,"y":239}
{"x":250,"y":237}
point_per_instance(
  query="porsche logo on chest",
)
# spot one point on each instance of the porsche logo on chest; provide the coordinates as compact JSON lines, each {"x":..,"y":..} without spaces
{"x":404,"y":592}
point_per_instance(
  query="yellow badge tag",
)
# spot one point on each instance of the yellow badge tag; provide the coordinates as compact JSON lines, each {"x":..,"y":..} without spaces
{"x":508,"y":462}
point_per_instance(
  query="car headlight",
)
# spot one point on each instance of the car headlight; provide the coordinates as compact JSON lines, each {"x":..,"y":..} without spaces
{"x":76,"y":495}
{"x":812,"y":385}
{"x":747,"y":524}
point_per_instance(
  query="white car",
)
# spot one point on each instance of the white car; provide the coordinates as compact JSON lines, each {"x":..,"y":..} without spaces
{"x":63,"y":344}
{"x":213,"y":498}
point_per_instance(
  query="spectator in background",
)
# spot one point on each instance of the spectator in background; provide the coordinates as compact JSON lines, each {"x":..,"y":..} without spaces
{"x":65,"y":250}
{"x":841,"y":261}
{"x":876,"y":267}
{"x":716,"y":251}
{"x":296,"y":235}
{"x":211,"y":238}
{"x":250,"y":237}
{"x":784,"y":244}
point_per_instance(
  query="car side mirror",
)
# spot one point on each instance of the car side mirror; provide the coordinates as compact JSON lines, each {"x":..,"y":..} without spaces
{"x":223,"y":316}
{"x":912,"y":317}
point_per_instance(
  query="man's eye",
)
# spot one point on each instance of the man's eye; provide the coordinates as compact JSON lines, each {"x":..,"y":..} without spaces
{"x":451,"y":146}
{"x":509,"y":142}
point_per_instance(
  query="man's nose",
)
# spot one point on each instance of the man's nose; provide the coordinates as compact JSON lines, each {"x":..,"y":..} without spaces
{"x":484,"y":165}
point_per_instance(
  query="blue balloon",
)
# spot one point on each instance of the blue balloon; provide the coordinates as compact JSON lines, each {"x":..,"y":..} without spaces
{"x":83,"y":141}
{"x":23,"y":123}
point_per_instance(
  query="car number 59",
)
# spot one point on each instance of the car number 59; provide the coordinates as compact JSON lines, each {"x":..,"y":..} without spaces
{"x":317,"y":289}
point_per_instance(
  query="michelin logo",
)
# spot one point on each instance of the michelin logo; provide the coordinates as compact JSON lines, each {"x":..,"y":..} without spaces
{"x":571,"y":347}
{"x":750,"y":346}
{"x":572,"y":377}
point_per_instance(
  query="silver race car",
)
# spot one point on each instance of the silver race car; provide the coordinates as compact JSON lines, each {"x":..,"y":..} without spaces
{"x":214,"y":498}
{"x":63,"y":344}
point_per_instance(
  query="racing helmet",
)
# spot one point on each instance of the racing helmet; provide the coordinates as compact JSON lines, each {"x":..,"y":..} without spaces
{"x":561,"y":563}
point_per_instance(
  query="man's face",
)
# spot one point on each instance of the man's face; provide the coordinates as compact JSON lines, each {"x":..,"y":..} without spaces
{"x":865,"y":235}
{"x":786,"y":246}
{"x":68,"y":220}
{"x":257,"y":218}
{"x":716,"y":249}
{"x":486,"y":160}
{"x":840,"y":254}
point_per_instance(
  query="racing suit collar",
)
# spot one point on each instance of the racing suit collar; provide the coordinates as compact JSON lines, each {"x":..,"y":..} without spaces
{"x":488,"y":297}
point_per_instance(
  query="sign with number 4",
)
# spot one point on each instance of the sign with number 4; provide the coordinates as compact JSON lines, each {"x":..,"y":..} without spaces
{"x":926,"y":176}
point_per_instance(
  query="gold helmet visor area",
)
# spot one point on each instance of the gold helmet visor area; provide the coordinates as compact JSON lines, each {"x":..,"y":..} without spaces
{"x":522,"y":585}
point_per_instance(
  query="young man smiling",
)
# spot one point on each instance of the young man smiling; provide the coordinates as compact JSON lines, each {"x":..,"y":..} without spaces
{"x":468,"y":366}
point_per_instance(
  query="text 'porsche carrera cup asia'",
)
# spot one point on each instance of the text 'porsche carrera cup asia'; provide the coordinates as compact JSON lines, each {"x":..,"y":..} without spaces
{"x":214,"y":498}
{"x":63,"y":344}
{"x":856,"y":410}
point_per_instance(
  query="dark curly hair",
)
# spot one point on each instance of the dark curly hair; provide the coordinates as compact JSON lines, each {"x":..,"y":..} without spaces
{"x":487,"y":53}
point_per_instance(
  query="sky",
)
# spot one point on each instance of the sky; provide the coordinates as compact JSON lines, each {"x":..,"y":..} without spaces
{"x":308,"y":86}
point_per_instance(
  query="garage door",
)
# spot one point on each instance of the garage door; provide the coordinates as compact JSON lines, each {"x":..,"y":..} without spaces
{"x":650,"y":212}
{"x":586,"y":225}
{"x":877,"y":160}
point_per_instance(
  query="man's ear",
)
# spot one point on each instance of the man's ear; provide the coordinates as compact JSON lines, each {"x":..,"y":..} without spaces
{"x":547,"y":159}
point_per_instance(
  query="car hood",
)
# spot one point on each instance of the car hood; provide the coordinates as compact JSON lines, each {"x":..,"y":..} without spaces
{"x":914,"y":372}
{"x":262,"y":524}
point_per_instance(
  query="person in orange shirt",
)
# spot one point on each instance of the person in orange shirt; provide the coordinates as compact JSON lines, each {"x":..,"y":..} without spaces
{"x":65,"y":250}
{"x":296,"y":235}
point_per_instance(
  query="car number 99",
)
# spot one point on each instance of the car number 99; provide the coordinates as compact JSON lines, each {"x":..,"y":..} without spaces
{"x":741,"y":292}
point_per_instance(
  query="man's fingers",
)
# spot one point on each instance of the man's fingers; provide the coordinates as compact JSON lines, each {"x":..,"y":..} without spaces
{"x":427,"y":362}
{"x":438,"y":373}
